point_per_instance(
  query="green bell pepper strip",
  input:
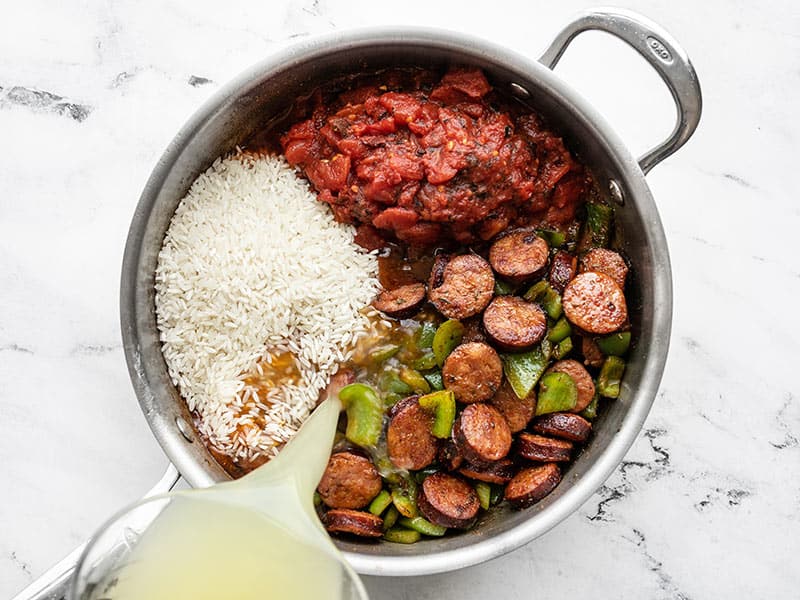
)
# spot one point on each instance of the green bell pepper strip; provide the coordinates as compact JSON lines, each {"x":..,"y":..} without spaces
{"x":425,"y":362}
{"x":391,"y":383}
{"x":498,"y":492}
{"x":317,"y":499}
{"x":380,"y":503}
{"x":383,"y":353}
{"x":562,"y":329}
{"x":484,"y":492}
{"x":424,"y":335}
{"x":502,"y":288}
{"x":422,"y":525}
{"x":414,"y":380}
{"x":554,"y":239}
{"x":557,"y":393}
{"x":616,"y":344}
{"x":390,"y":518}
{"x":447,"y":337}
{"x":563,"y":348}
{"x":434,"y":379}
{"x":590,"y":412}
{"x":442,"y":405}
{"x":598,"y":224}
{"x":544,"y":294}
{"x":364,"y":414}
{"x":523,"y":370}
{"x":399,"y":535}
{"x":404,"y":498}
{"x":610,"y":376}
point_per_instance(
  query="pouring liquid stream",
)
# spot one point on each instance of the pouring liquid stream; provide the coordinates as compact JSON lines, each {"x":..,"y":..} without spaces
{"x":255,"y":538}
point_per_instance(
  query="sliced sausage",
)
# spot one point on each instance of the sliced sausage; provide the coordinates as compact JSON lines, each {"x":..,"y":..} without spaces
{"x":592,"y":356}
{"x":409,"y":440}
{"x":583,"y":381}
{"x":543,"y":449}
{"x":514,"y":324}
{"x":532,"y":484}
{"x":562,"y":269}
{"x":567,"y":426}
{"x":500,"y":471}
{"x":473,"y":372}
{"x":601,"y":260}
{"x":519,"y":255}
{"x":401,"y":302}
{"x":449,"y":456}
{"x":448,"y":501}
{"x":349,"y":481}
{"x":356,"y":522}
{"x":596,"y":304}
{"x":461,"y":286}
{"x":482,"y":434}
{"x":517,"y":412}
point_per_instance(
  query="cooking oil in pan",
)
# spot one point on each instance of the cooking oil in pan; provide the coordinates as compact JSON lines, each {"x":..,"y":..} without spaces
{"x":255,"y":538}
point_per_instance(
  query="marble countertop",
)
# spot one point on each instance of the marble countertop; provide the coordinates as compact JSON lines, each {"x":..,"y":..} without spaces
{"x":707,"y":502}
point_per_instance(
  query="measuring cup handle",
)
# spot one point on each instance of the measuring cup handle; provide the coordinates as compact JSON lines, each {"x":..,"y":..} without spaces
{"x":661,"y":51}
{"x":54,"y":583}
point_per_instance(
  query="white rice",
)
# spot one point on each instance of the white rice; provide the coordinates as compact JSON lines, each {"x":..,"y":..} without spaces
{"x":253,"y":264}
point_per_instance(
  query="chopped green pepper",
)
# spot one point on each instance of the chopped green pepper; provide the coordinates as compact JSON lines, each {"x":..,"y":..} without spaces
{"x":390,"y":518}
{"x":560,"y":330}
{"x":544,"y":294}
{"x":616,"y":344}
{"x":422,"y":525}
{"x":414,"y":380}
{"x":447,"y":337}
{"x":434,"y":378}
{"x":610,"y":376}
{"x":523,"y":370}
{"x":563,"y":348}
{"x":424,"y":335}
{"x":498,"y":492}
{"x":317,"y":499}
{"x":590,"y":412}
{"x":382,"y":353}
{"x":420,"y":475}
{"x":391,"y":383}
{"x":425,"y":362}
{"x":557,"y":393}
{"x":400,"y":535}
{"x":443,"y":406}
{"x":364,"y":414}
{"x":502,"y":288}
{"x":484,"y":492}
{"x":380,"y":503}
{"x":554,"y":238}
{"x":387,"y":470}
{"x":404,"y":498}
{"x":598,"y":224}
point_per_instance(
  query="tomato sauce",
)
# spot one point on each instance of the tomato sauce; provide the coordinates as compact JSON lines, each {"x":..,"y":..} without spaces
{"x":429,"y":160}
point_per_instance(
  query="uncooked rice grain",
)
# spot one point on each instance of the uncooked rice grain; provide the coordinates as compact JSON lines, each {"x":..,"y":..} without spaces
{"x":253,"y":265}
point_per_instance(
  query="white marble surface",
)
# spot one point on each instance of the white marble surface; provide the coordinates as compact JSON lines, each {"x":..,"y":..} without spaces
{"x":706,"y":504}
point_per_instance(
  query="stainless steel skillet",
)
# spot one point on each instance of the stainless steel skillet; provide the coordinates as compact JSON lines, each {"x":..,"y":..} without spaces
{"x":266,"y":91}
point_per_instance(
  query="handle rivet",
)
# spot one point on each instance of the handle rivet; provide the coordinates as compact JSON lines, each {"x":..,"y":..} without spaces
{"x":185,"y":429}
{"x":615,"y":191}
{"x":519,"y":91}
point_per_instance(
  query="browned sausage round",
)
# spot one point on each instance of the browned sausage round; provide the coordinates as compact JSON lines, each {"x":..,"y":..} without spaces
{"x":401,"y":302}
{"x":473,"y":372}
{"x":562,"y":270}
{"x":543,"y":449}
{"x":460,"y":286}
{"x":514,"y":324}
{"x":409,"y":440}
{"x":567,"y":426}
{"x":519,"y":255}
{"x":449,"y":456}
{"x":601,"y":260}
{"x":447,"y":501}
{"x":532,"y":484}
{"x":517,"y":412}
{"x":357,"y":522}
{"x":349,"y":481}
{"x":583,"y":381}
{"x":482,"y":434}
{"x":596,"y":304}
{"x":592,"y":356}
{"x":500,"y":471}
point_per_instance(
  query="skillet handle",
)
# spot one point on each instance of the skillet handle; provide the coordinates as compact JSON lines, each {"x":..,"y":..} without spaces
{"x":54,"y":583}
{"x":661,"y":51}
